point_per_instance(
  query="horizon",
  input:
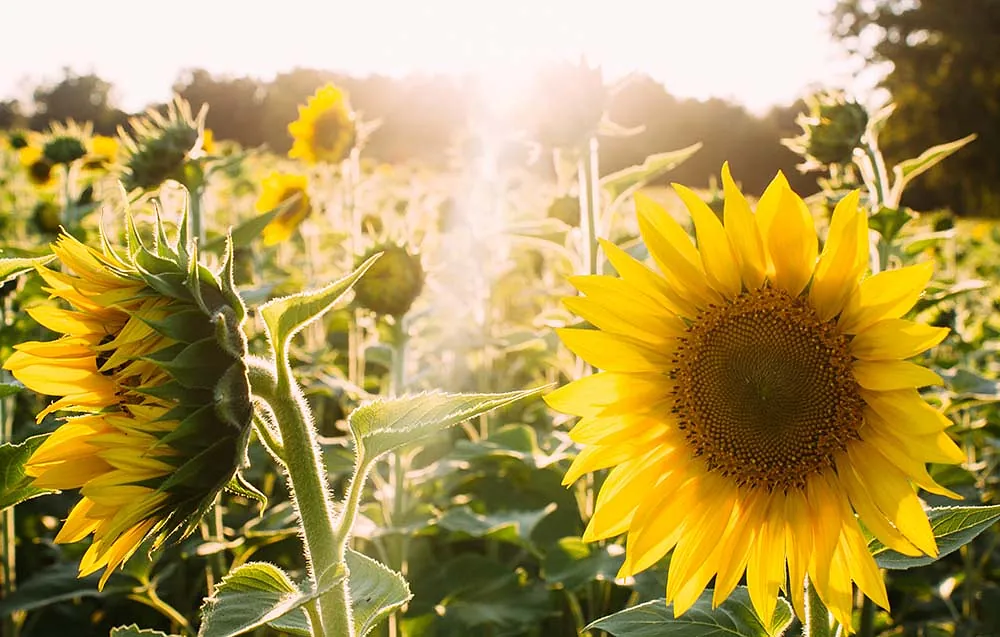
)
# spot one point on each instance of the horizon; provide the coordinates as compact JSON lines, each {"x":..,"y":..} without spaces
{"x":760,"y":57}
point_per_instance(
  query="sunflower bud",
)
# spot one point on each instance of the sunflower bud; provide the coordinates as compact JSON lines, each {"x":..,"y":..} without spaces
{"x":162,"y":146}
{"x":392,"y":283}
{"x":831,"y":130}
{"x":18,"y":139}
{"x":152,"y":362}
{"x":566,"y":209}
{"x":47,"y":216}
{"x":64,"y":149}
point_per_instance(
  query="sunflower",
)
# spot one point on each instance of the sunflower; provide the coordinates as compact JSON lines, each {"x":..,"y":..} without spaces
{"x":161,"y":400}
{"x":279,"y":188}
{"x":102,"y":151}
{"x":755,"y":403}
{"x":325,"y":130}
{"x":38,"y":167}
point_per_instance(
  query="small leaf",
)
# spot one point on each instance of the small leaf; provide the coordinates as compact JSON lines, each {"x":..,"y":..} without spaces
{"x":244,"y":234}
{"x":376,"y":591}
{"x":250,"y":596}
{"x":889,"y":221}
{"x":636,"y":176}
{"x":14,"y":485}
{"x":241,"y":486}
{"x":954,"y":527}
{"x":384,"y":425}
{"x":905,"y":171}
{"x":514,"y":527}
{"x":134,"y":631}
{"x":735,"y":617}
{"x":285,"y":316}
{"x":573,"y":563}
{"x":13,"y":267}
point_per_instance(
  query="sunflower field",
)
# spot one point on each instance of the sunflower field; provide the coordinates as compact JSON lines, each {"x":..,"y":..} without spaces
{"x":314,"y":394}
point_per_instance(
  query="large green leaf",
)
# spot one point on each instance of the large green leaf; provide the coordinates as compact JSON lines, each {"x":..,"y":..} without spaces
{"x":514,"y":527}
{"x":376,"y":591}
{"x":58,"y":583}
{"x":633,"y":177}
{"x":285,"y":316}
{"x":735,"y":617}
{"x":954,"y":527}
{"x":16,"y":266}
{"x":14,"y":485}
{"x":573,"y":563}
{"x":250,"y":596}
{"x":134,"y":631}
{"x":384,"y":425}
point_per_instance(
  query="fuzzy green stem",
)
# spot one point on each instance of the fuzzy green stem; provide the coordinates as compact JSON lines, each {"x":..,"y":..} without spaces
{"x":69,"y":209}
{"x":150,"y":598}
{"x":7,"y":533}
{"x":197,"y":226}
{"x":268,"y":439}
{"x":310,"y":493}
{"x":595,"y":206}
{"x":397,"y":385}
{"x":588,"y":227}
{"x":817,"y":616}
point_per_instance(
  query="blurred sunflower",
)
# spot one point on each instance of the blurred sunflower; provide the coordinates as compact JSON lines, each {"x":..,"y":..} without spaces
{"x":101,"y":152}
{"x":279,"y":188}
{"x":161,"y":146}
{"x":755,"y":398}
{"x":208,"y":141}
{"x":38,"y":167}
{"x":154,"y":363}
{"x":325,"y":130}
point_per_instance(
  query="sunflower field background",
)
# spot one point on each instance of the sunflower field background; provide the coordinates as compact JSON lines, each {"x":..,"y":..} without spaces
{"x":418,"y":308}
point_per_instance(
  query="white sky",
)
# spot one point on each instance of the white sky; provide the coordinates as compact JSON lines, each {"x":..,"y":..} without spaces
{"x":758,"y":52}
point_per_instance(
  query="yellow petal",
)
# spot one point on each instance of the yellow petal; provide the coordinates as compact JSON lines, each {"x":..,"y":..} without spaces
{"x":744,"y":236}
{"x":626,"y":429}
{"x":591,"y":395}
{"x":888,"y":375}
{"x":792,"y":243}
{"x":873,"y":519}
{"x":891,"y":492}
{"x":66,"y":321}
{"x":933,"y":447}
{"x":597,"y":457}
{"x":699,"y":543}
{"x":77,"y":526}
{"x":642,"y":278}
{"x":899,"y":454}
{"x":888,"y":294}
{"x":614,"y":352}
{"x":626,"y":486}
{"x":798,"y":546}
{"x":766,"y":566}
{"x":895,"y":338}
{"x":659,"y":522}
{"x":734,"y":553}
{"x":717,"y":256}
{"x":904,"y":408}
{"x":839,"y":267}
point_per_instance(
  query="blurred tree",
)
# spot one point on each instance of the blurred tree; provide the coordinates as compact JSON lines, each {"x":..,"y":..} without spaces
{"x":945,"y":79}
{"x":80,"y":97}
{"x":235,"y":104}
{"x":10,"y":115}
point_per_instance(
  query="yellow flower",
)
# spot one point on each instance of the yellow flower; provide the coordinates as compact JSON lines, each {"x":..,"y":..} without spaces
{"x":162,"y":400}
{"x":208,"y":141}
{"x":277,"y":189}
{"x":39,"y":168}
{"x":325,"y":130}
{"x":754,"y":398}
{"x":103,"y":150}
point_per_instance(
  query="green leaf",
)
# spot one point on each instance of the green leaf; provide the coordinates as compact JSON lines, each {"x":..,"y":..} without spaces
{"x":907,"y":170}
{"x":9,"y":389}
{"x":58,"y":583}
{"x":384,"y":425}
{"x":889,"y":221}
{"x":244,"y":234}
{"x":241,"y":486}
{"x":573,"y":563}
{"x":735,"y":617}
{"x":514,"y":527}
{"x":285,"y":316}
{"x":14,"y":485}
{"x":250,"y":596}
{"x":376,"y":591}
{"x":633,"y":177}
{"x":954,"y":527}
{"x":15,"y":266}
{"x":134,"y":631}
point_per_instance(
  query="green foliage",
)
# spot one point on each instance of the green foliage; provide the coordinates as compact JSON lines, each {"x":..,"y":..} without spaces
{"x":15,"y":486}
{"x":733,"y":618}
{"x":954,"y":527}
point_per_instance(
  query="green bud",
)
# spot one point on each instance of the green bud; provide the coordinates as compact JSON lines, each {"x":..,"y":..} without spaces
{"x":392,"y":283}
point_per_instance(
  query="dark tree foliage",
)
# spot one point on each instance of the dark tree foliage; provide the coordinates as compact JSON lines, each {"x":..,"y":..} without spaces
{"x":945,"y":80}
{"x":423,"y":117}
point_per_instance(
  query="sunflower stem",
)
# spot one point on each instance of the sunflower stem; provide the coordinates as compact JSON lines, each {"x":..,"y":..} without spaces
{"x":867,"y":627}
{"x":397,"y":385}
{"x":7,"y":534}
{"x":595,"y":207}
{"x":817,"y":616}
{"x":268,"y":439}
{"x":309,"y":490}
{"x":197,"y":226}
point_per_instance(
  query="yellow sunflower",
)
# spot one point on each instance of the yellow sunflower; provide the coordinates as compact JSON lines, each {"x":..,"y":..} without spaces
{"x":325,"y":130}
{"x":102,"y":150}
{"x":756,"y":403}
{"x":162,"y":403}
{"x":38,"y":167}
{"x":279,"y":188}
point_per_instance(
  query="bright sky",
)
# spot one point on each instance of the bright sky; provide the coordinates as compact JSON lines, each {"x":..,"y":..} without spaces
{"x":758,"y":52}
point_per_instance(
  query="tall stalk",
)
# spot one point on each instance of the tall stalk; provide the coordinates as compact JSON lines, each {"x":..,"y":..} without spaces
{"x":397,"y":476}
{"x":351,"y":176}
{"x":7,"y":533}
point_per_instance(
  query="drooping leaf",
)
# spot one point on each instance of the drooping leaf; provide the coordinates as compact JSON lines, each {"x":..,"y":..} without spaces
{"x":15,"y":486}
{"x":58,"y":583}
{"x":514,"y":527}
{"x":384,"y":425}
{"x":245,"y":233}
{"x":250,"y":596}
{"x":15,"y":266}
{"x":376,"y":591}
{"x":134,"y":631}
{"x":9,"y":389}
{"x":652,"y":167}
{"x":285,"y":316}
{"x":954,"y":527}
{"x":735,"y":617}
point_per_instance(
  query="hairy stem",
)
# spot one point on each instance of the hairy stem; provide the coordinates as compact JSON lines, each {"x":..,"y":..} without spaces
{"x":817,"y":616}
